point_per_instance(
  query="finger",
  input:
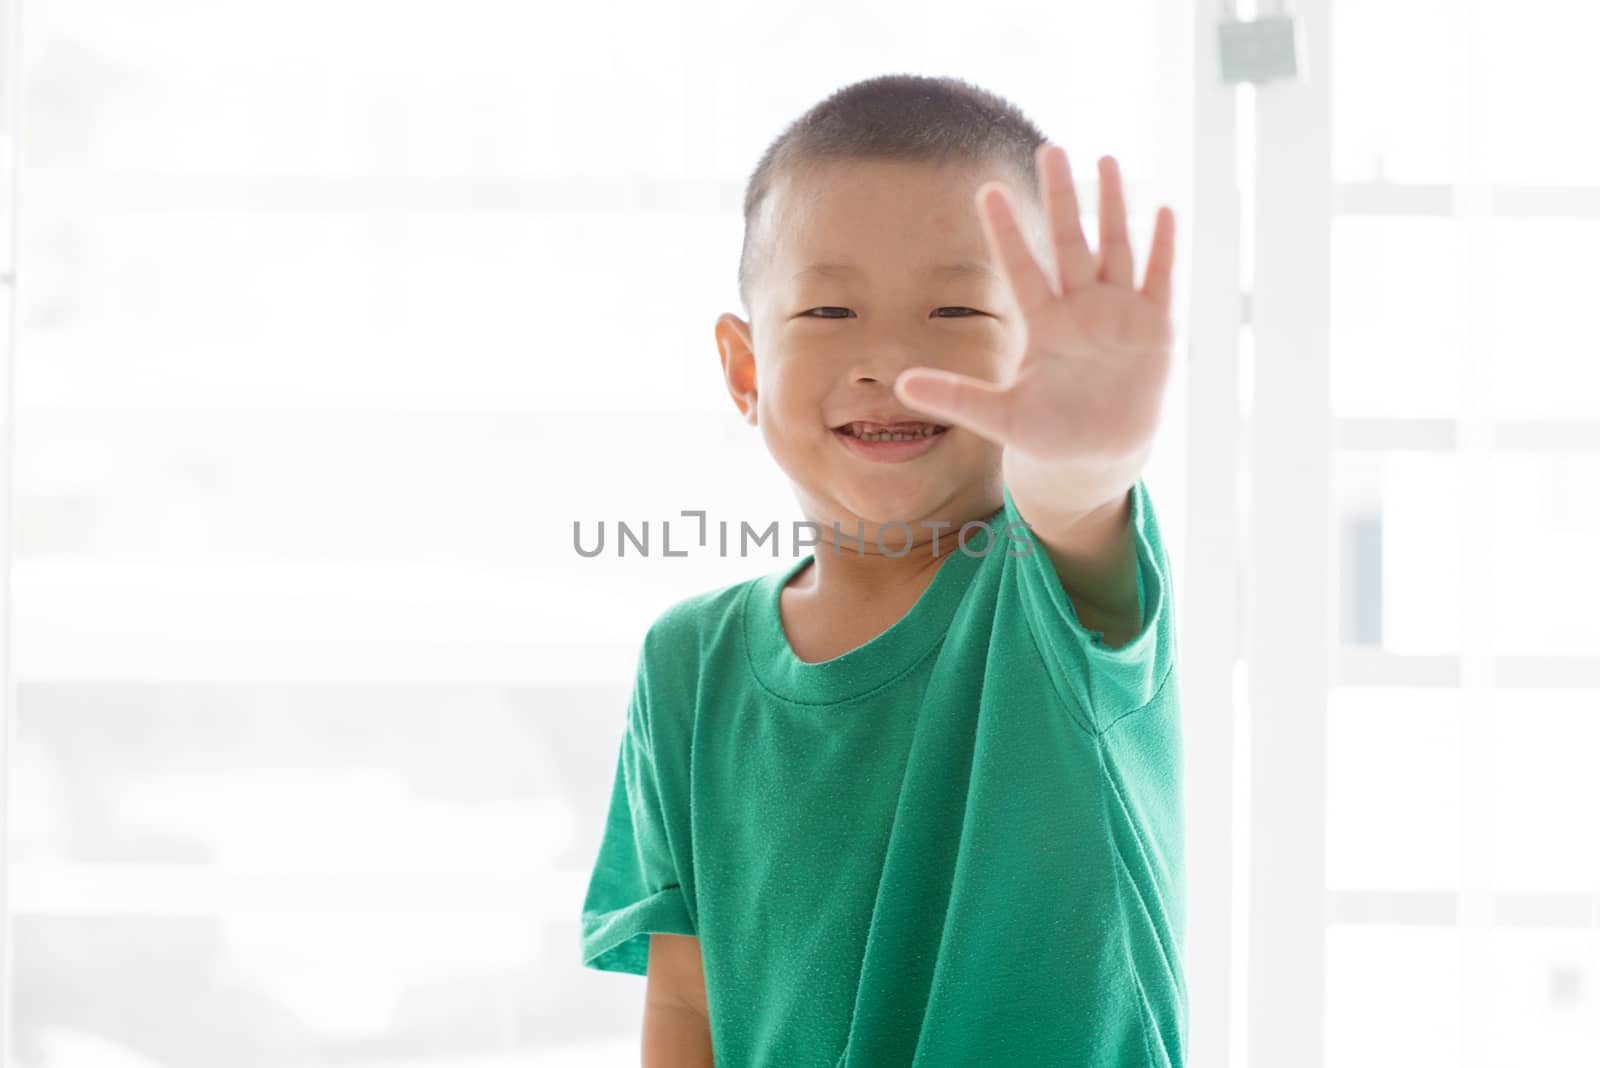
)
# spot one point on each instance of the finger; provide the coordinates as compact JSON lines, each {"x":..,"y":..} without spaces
{"x":1029,"y":284}
{"x":960,"y":400}
{"x":1074,"y":261}
{"x":1116,"y":255}
{"x":1158,"y":272}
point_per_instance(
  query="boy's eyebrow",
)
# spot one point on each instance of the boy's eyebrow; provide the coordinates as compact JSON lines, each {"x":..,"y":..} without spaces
{"x":937,"y":270}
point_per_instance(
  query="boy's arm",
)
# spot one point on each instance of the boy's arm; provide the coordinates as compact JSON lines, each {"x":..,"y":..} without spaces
{"x":1092,"y":548}
{"x":677,"y":1021}
{"x":1083,"y":403}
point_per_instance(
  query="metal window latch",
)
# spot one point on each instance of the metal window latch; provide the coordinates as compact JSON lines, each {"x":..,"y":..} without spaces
{"x":1263,"y":49}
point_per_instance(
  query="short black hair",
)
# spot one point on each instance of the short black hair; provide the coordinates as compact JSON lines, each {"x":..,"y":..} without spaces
{"x":911,"y":117}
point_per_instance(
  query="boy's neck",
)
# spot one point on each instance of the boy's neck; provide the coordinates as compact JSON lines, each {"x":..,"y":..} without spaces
{"x":844,"y":569}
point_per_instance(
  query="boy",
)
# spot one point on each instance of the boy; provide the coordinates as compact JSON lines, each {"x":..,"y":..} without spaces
{"x":910,"y":800}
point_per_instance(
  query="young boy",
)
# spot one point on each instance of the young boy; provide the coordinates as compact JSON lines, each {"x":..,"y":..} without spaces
{"x":916,"y":798}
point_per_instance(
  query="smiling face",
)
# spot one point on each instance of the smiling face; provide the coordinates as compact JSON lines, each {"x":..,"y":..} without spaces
{"x":871,"y":268}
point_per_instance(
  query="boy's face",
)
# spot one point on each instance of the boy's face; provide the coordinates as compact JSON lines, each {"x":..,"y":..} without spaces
{"x":825,"y":345}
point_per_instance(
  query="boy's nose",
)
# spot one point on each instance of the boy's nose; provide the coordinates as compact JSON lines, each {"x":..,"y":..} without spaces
{"x":884,"y":362}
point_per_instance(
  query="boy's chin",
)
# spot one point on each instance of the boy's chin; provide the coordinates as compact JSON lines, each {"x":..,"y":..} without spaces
{"x":879,"y":505}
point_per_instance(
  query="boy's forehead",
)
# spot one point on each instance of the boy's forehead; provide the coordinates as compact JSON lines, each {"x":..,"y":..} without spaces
{"x":846,"y":269}
{"x":851,"y":192}
{"x":827,"y":220}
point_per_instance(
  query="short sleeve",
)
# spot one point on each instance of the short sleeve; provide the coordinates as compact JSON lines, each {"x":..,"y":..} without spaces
{"x":1105,"y":682}
{"x":634,"y":888}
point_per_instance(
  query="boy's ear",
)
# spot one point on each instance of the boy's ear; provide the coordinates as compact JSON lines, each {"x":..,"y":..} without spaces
{"x":738,"y":363}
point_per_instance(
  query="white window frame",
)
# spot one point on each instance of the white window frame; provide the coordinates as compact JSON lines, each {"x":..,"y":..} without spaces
{"x":10,"y":81}
{"x":1261,"y":597}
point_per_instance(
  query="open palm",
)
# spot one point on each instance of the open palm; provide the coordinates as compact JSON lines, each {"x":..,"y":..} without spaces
{"x":1090,"y":380}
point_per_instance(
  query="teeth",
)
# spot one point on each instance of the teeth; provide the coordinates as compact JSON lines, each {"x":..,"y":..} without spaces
{"x":924,"y":431}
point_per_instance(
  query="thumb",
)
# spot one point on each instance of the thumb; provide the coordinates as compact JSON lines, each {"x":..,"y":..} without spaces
{"x":979,"y":406}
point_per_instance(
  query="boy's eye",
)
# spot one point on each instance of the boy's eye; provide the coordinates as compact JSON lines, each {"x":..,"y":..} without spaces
{"x":939,"y":312}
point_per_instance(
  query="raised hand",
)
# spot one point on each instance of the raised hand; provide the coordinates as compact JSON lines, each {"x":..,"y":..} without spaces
{"x":1089,"y":384}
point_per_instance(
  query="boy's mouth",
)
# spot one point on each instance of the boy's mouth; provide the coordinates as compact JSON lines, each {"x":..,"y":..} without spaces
{"x":908,"y":430}
{"x":889,"y":442}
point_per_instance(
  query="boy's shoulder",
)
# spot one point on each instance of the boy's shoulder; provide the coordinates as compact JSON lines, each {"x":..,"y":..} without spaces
{"x":693,"y":637}
{"x":689,"y":625}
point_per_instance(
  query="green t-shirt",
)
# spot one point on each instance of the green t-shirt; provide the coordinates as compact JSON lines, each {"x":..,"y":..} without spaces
{"x":960,"y":843}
